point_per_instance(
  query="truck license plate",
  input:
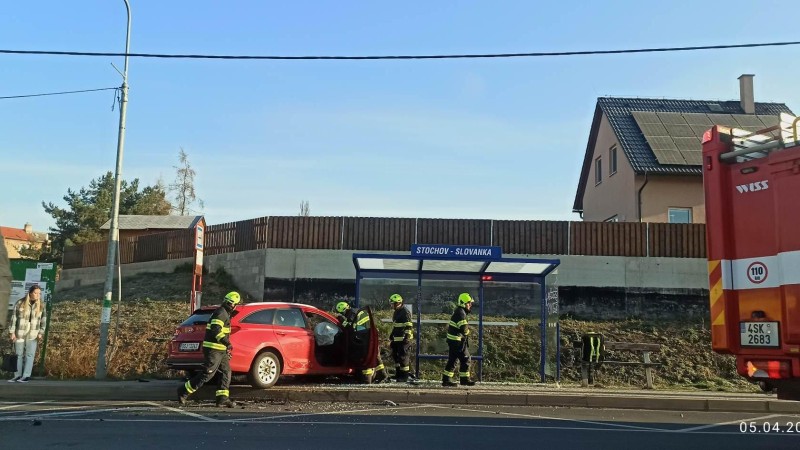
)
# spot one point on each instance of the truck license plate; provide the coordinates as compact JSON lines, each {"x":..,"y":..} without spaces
{"x":189,"y":346}
{"x":759,"y":334}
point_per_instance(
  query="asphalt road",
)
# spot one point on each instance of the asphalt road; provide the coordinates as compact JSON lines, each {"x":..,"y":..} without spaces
{"x":281,"y":425}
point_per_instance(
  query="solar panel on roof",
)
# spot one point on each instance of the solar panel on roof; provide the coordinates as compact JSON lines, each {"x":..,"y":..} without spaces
{"x":769,"y":121}
{"x":669,"y":157}
{"x":645,"y":117}
{"x":745,"y":120}
{"x":679,"y":130}
{"x":697,"y":119}
{"x":661,"y":142}
{"x":671,"y":118}
{"x":723,"y":119}
{"x":693,"y":157}
{"x":653,"y":129}
{"x":687,"y":143}
{"x":700,"y":129}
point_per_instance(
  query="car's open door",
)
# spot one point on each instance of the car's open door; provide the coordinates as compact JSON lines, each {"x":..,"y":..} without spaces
{"x":363,"y":344}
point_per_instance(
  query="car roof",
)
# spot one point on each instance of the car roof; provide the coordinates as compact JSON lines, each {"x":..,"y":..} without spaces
{"x":276,"y":304}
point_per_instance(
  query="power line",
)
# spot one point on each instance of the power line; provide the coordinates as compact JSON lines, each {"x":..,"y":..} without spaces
{"x":454,"y":56}
{"x":57,"y":93}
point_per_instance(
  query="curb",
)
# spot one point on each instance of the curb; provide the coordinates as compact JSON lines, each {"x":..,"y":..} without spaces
{"x":166,"y":390}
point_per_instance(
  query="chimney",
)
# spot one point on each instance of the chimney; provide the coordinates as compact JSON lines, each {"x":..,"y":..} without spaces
{"x":746,"y":97}
{"x":28,"y":228}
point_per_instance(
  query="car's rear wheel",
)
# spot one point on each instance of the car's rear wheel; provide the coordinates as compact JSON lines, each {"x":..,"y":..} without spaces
{"x":265,"y":371}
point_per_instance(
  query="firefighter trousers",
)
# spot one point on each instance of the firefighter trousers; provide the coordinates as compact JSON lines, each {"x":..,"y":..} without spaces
{"x":401,"y":354}
{"x":215,"y":361}
{"x":458,"y":351}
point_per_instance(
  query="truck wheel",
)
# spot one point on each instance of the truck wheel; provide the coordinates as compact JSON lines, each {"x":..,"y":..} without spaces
{"x":265,"y":370}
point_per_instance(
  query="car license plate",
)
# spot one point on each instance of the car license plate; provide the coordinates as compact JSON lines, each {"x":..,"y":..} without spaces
{"x":759,"y":334}
{"x":189,"y":346}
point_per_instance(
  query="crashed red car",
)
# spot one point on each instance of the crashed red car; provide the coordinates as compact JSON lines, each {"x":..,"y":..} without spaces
{"x":271,"y":339}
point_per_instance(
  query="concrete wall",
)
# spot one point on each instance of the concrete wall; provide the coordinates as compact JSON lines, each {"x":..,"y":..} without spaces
{"x":590,"y":286}
{"x":249,"y":269}
{"x":97,"y":275}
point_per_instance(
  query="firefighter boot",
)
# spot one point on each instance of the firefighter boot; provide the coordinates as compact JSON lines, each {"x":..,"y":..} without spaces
{"x":381,"y":375}
{"x":402,"y":376}
{"x":223,"y":401}
{"x":182,"y":396}
{"x":447,"y":382}
{"x":465,"y":381}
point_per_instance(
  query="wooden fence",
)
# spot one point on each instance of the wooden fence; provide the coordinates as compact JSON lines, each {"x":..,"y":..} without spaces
{"x":397,"y":234}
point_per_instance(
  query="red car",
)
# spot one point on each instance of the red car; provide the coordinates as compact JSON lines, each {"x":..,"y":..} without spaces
{"x":272,"y":339}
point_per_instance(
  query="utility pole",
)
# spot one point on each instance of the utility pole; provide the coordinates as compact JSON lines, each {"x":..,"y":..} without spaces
{"x":113,"y":234}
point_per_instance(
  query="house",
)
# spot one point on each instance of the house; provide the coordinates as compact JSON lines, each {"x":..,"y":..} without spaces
{"x":643,"y":158}
{"x":17,"y":239}
{"x":137,"y":225}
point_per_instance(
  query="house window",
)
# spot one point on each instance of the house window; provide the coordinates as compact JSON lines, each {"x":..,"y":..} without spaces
{"x":612,"y":160}
{"x":680,"y":215}
{"x":598,"y":171}
{"x":614,"y":218}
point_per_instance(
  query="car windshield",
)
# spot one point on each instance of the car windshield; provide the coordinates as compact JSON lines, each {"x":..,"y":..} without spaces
{"x":198,"y":318}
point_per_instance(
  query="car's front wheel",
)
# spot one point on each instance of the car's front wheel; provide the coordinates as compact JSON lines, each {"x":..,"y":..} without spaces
{"x":265,"y":371}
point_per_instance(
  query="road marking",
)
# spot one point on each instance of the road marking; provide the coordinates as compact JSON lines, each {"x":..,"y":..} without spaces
{"x":62,"y":408}
{"x":331,"y":412}
{"x":19,"y":405}
{"x":531,"y":416}
{"x":732,"y":422}
{"x":37,"y":415}
{"x":185,"y":413}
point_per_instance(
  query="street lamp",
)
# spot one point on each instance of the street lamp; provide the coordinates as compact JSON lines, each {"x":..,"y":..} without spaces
{"x":113,"y":235}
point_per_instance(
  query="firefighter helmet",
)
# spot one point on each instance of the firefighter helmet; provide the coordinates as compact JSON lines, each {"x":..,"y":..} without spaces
{"x":341,"y":307}
{"x":464,"y":299}
{"x":233,"y":298}
{"x":395,"y":298}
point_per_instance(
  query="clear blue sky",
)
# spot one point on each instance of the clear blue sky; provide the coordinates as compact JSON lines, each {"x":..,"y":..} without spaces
{"x":501,"y":138}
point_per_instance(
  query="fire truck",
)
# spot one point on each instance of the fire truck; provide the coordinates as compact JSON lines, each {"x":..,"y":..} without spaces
{"x":752,"y":198}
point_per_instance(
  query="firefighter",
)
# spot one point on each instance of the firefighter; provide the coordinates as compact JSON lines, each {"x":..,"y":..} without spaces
{"x":400,"y":337}
{"x":355,"y":324}
{"x":217,"y":350}
{"x":458,"y":343}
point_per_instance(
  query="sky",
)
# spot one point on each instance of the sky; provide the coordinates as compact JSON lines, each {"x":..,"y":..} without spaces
{"x":473,"y":139}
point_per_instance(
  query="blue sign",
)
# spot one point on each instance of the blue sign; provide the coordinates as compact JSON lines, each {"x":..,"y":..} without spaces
{"x":431,"y":251}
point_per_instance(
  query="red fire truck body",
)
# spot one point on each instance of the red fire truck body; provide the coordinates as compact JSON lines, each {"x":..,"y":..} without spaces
{"x":752,"y":199}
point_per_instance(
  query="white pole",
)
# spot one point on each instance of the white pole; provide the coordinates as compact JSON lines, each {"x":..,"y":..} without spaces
{"x":113,"y":235}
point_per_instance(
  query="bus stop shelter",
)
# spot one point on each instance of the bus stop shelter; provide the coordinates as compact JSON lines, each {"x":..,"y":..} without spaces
{"x":483,"y":265}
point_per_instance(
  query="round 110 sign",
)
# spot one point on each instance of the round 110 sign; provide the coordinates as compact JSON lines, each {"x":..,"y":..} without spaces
{"x":757,"y":272}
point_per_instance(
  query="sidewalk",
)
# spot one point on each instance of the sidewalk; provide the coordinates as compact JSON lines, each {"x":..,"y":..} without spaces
{"x":426,"y":392}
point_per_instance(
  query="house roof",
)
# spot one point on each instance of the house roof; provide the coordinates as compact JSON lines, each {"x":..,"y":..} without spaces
{"x":138,"y":222}
{"x":17,"y":234}
{"x":619,"y":112}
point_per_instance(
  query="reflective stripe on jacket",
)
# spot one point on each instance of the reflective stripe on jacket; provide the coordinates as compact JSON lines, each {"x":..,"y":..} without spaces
{"x":218,"y":330}
{"x":458,"y":326}
{"x":402,"y":327}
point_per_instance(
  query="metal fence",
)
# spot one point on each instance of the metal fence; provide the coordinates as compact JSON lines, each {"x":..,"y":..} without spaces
{"x":533,"y":237}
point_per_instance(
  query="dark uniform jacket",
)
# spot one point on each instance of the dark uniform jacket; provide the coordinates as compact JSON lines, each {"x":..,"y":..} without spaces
{"x":458,"y":328}
{"x":402,"y":326}
{"x":218,"y":330}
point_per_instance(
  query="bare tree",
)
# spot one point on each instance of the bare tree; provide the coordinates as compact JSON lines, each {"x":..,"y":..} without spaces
{"x":305,"y":209}
{"x":183,"y":187}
